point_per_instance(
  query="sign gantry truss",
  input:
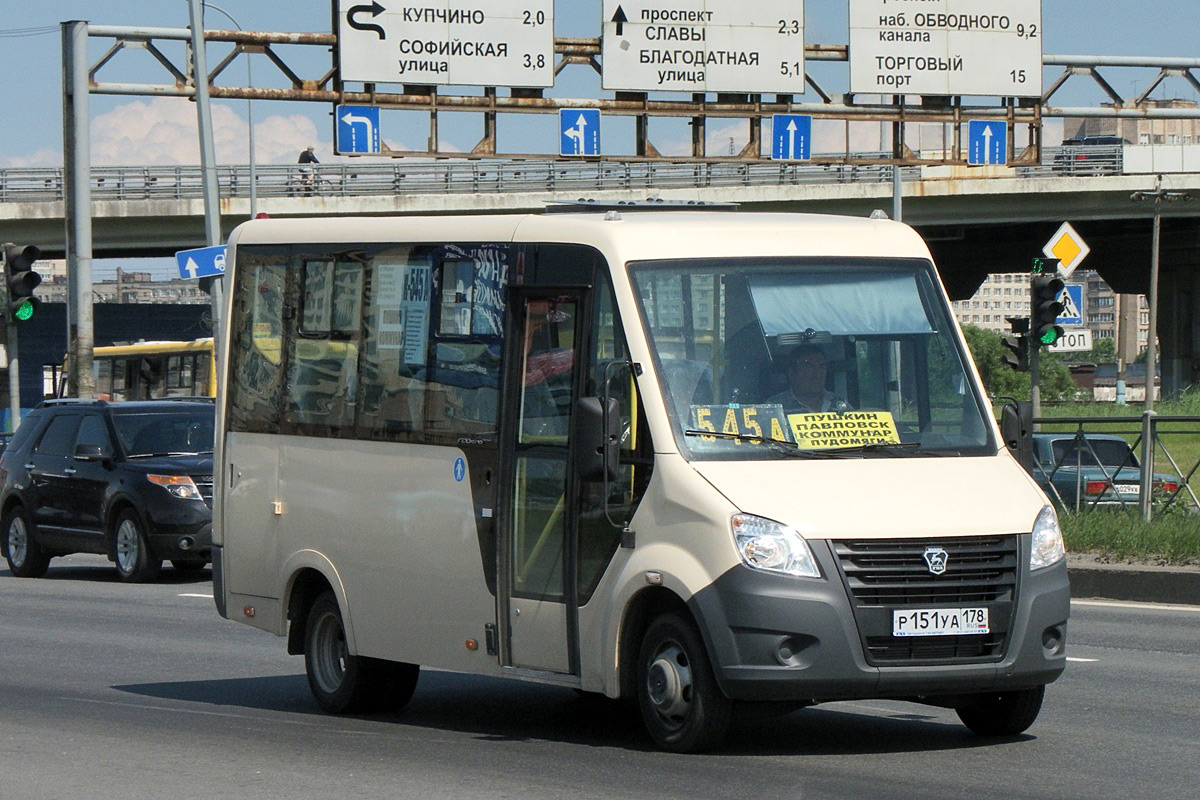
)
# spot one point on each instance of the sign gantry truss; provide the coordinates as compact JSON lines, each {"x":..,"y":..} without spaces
{"x":326,"y":86}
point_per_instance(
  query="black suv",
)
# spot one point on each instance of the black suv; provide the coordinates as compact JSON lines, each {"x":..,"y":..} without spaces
{"x":132,"y":481}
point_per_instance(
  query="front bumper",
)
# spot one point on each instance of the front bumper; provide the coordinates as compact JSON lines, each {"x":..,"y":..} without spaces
{"x":181,"y":533}
{"x":773,"y":637}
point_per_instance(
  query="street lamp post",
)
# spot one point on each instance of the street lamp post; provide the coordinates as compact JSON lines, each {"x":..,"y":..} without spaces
{"x":249,"y":114}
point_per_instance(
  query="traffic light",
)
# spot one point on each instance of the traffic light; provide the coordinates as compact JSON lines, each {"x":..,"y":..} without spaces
{"x":19,"y":281}
{"x":1017,"y":344}
{"x":1044,"y":308}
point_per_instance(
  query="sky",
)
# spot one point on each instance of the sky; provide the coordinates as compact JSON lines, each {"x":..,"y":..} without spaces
{"x":135,"y":130}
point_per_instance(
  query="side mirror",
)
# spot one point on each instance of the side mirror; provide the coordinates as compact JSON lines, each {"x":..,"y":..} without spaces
{"x":595,"y":433}
{"x":1016,"y":426}
{"x":92,"y":452}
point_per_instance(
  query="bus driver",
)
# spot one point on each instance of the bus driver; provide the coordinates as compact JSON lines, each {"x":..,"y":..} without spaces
{"x":807,"y":368}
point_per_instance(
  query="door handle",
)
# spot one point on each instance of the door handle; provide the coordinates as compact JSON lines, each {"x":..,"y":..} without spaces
{"x":69,"y":471}
{"x":29,"y":466}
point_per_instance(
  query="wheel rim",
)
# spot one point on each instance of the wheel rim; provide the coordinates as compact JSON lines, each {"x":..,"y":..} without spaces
{"x":18,"y":541}
{"x":669,"y":685}
{"x":329,"y":653}
{"x":128,"y":546}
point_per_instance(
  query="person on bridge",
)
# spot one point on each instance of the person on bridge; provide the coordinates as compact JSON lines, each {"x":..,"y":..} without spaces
{"x":307,"y":156}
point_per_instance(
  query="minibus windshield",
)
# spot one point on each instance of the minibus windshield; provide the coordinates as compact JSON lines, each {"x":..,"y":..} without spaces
{"x":823,"y":357}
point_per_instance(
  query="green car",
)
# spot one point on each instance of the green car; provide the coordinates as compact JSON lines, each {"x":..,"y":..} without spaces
{"x":1080,"y":472}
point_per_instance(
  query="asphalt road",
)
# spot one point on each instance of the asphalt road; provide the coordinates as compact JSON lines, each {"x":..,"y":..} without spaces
{"x":108,"y":690}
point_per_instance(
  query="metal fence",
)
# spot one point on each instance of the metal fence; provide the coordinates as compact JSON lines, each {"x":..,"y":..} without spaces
{"x":1165,"y":480}
{"x":496,"y":176}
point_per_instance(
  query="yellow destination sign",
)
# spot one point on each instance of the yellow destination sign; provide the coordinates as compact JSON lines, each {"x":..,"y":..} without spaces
{"x":846,"y":429}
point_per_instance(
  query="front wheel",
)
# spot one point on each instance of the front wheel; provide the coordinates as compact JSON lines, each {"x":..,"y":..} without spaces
{"x":681,"y":704}
{"x":1002,"y":713}
{"x":131,"y":551}
{"x":24,"y":554}
{"x":343,"y":683}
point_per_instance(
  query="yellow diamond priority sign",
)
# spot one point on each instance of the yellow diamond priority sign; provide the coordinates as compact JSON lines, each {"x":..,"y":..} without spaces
{"x":1068,"y":247}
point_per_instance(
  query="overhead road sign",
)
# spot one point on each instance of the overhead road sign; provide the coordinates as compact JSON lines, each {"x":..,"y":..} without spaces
{"x":791,"y":137}
{"x":446,"y":42}
{"x":357,"y":130}
{"x":579,"y":132}
{"x":203,"y":262}
{"x":987,"y":143}
{"x":1068,"y":247}
{"x":946,"y":47}
{"x":703,"y":46}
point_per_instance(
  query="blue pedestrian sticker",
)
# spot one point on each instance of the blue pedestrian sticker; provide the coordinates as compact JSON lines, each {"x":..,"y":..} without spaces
{"x":460,"y":469}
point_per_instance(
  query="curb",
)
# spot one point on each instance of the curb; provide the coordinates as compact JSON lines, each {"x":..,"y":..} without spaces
{"x":1138,"y":584}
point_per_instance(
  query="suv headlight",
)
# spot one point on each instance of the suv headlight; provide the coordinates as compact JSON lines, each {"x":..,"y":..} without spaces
{"x":1047,"y":542}
{"x":181,"y":486}
{"x":767,"y":545}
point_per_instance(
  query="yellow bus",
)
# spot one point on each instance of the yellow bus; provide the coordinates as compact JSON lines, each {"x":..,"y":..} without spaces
{"x":151,"y":370}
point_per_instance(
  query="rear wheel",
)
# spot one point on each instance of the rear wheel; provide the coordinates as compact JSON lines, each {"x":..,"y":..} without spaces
{"x":681,"y":704}
{"x":131,"y":551}
{"x":24,"y":554}
{"x":343,"y":683}
{"x":1002,"y":713}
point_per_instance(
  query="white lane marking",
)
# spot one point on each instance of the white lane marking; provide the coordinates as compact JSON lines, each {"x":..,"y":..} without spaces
{"x":207,"y":596}
{"x":1141,"y":606}
{"x":1083,"y":660}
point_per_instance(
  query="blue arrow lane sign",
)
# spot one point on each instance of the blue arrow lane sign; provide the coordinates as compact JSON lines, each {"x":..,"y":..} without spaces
{"x":579,"y":132}
{"x":791,"y":137}
{"x":357,"y":130}
{"x":204,"y":262}
{"x":987,"y":143}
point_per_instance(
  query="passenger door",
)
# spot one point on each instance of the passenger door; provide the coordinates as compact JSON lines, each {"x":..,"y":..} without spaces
{"x":90,"y":481}
{"x":50,"y":469}
{"x":538,"y":602}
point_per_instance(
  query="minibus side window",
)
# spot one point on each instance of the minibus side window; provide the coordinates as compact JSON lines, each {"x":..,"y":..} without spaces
{"x":256,"y":374}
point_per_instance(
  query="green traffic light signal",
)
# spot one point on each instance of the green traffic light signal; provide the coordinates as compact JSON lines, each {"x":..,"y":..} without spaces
{"x":1044,"y":308}
{"x":20,"y":281}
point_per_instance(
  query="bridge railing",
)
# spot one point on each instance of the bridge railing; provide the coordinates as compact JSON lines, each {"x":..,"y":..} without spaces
{"x":483,"y":176}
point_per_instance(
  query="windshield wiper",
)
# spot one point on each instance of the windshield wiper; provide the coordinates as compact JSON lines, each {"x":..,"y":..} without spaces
{"x":789,"y":449}
{"x":900,"y":448}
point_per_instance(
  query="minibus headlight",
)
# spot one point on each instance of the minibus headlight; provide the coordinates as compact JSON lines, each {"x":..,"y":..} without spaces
{"x":1048,"y":545}
{"x":767,"y":545}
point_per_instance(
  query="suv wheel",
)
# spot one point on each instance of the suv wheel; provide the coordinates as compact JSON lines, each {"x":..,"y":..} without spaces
{"x":24,"y":554}
{"x":131,"y":551}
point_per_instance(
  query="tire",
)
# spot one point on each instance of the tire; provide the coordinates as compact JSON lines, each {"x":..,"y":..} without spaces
{"x":24,"y":554}
{"x":1003,"y":713}
{"x":131,"y":551}
{"x":681,"y":705}
{"x":346,"y":684}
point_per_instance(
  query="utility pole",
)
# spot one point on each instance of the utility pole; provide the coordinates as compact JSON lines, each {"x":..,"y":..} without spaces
{"x":1158,"y":196}
{"x":208,"y":162}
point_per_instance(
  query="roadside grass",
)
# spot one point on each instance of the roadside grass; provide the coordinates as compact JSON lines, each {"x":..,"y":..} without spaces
{"x":1170,"y":539}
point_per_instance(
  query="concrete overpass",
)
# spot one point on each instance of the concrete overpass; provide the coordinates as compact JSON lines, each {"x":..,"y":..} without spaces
{"x":976,"y":220}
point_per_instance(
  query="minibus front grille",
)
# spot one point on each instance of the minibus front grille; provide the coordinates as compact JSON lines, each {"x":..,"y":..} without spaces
{"x":894,"y":572}
{"x":884,"y":575}
{"x":938,"y":648}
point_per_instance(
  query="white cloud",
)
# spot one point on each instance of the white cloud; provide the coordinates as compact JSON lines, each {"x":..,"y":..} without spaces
{"x":164,"y":131}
